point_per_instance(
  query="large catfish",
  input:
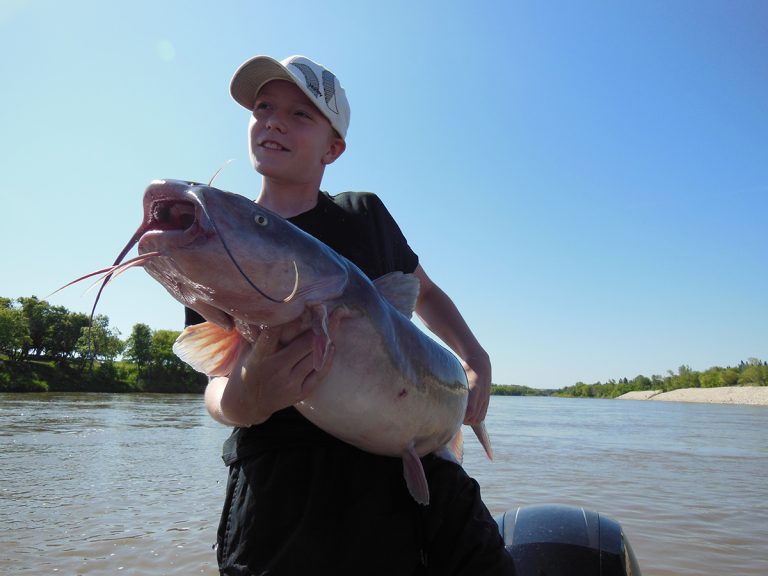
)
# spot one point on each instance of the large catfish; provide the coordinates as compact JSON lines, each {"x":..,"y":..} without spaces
{"x":391,"y":389}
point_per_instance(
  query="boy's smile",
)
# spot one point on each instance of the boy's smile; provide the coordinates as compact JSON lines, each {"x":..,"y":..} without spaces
{"x":272,"y":145}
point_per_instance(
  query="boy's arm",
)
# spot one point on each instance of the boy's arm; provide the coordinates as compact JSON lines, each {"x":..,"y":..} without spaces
{"x":440,"y":315}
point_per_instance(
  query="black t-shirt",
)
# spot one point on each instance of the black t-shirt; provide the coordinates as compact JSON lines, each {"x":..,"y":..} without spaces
{"x":358,"y":226}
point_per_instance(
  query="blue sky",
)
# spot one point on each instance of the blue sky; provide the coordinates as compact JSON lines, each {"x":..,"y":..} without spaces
{"x":587,"y":180}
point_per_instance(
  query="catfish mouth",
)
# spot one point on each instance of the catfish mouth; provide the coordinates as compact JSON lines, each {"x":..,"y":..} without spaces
{"x":172,"y":215}
{"x":175,"y":220}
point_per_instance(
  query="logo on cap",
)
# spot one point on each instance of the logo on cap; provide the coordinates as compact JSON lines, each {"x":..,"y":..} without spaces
{"x":313,"y":83}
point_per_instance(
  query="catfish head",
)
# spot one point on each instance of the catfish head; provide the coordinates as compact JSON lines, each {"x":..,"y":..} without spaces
{"x":231,"y":260}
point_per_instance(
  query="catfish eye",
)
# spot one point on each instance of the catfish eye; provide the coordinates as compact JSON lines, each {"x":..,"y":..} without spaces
{"x":261,"y":220}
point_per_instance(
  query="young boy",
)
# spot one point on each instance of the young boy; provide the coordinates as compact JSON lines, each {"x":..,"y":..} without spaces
{"x":298,"y":500}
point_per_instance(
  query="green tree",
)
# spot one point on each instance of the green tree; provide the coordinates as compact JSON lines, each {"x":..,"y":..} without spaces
{"x":139,"y":347}
{"x":685,"y":378}
{"x":168,"y":372}
{"x":37,"y":313}
{"x":729,"y":377}
{"x":641,"y":382}
{"x":14,"y":332}
{"x":753,"y":373}
{"x":163,"y":358}
{"x":711,"y":378}
{"x":99,"y":342}
{"x":63,"y":331}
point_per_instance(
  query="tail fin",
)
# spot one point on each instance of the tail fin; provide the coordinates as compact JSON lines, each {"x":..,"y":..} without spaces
{"x":485,"y":441}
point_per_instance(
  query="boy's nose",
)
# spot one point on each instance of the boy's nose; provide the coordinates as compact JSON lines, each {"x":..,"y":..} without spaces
{"x":275,"y":122}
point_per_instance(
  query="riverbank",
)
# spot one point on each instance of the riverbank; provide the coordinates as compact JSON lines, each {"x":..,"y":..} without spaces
{"x":750,"y":395}
{"x":49,"y":375}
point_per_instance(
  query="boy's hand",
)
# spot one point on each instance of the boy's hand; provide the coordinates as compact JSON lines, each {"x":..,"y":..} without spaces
{"x":479,"y":380}
{"x":277,"y":371}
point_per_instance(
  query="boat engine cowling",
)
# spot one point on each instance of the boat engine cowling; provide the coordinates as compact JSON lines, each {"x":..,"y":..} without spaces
{"x":555,"y":540}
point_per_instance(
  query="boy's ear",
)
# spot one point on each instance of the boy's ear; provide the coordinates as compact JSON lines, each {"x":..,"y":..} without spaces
{"x":336,"y":148}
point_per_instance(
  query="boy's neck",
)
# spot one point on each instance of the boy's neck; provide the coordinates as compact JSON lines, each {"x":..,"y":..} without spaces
{"x":288,"y":200}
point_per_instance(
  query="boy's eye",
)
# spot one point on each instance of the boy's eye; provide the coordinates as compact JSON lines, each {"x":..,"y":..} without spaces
{"x":261,"y":106}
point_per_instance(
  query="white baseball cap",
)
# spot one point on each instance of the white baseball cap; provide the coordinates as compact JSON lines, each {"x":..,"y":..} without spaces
{"x":319,"y":84}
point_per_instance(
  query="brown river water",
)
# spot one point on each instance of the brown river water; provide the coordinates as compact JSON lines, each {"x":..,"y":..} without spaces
{"x":133,"y":484}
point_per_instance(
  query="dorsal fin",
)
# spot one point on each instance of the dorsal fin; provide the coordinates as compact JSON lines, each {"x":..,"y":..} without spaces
{"x":399,"y":289}
{"x":209,"y":348}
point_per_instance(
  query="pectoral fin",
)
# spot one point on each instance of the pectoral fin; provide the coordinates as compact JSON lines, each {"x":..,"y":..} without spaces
{"x":209,"y":348}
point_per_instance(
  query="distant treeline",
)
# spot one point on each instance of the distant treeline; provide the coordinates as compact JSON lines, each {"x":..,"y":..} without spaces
{"x":516,"y":390}
{"x":48,"y":348}
{"x":753,"y":372}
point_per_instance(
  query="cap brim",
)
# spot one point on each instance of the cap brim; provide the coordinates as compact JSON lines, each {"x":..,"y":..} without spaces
{"x":252,"y":75}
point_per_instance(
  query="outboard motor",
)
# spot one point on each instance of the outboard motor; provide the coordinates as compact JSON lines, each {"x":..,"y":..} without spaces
{"x":553,"y":540}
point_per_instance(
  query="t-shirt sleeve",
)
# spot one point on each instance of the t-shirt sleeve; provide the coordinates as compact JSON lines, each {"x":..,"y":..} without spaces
{"x":390,"y":237}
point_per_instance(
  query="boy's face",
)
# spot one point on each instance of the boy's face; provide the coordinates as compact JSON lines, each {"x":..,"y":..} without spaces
{"x":290,"y":139}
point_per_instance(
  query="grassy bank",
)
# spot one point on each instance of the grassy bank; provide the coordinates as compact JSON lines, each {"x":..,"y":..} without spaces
{"x":50,"y":376}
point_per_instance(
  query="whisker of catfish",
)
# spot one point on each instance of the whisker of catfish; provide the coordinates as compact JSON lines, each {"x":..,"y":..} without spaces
{"x":109,"y":274}
{"x":90,"y":275}
{"x":210,"y":182}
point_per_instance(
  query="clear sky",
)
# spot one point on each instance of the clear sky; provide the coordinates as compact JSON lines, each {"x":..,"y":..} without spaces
{"x":587,"y":180}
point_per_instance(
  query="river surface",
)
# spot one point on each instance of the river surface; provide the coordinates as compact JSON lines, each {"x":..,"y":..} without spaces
{"x":133,"y":484}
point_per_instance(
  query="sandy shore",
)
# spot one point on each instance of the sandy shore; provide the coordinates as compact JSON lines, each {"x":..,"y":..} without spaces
{"x":752,"y":395}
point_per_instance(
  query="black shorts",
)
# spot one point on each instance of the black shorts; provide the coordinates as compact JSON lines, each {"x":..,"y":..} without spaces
{"x":329,"y":508}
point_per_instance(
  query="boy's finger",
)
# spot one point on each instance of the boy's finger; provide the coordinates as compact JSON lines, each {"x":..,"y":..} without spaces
{"x":266,"y":343}
{"x":316,"y":377}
